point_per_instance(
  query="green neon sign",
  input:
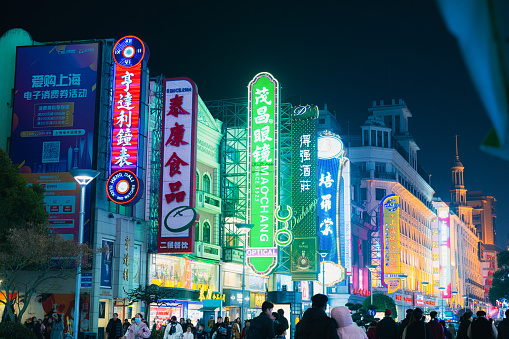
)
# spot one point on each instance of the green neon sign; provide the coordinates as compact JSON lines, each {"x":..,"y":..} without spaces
{"x":263,"y":161}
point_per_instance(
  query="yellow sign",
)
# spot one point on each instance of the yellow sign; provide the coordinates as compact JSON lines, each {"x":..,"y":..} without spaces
{"x":257,"y":299}
{"x":391,"y":260}
{"x":207,"y":293}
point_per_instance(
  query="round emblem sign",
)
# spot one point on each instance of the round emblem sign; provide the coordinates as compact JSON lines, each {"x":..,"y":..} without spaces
{"x":123,"y":188}
{"x":129,"y":51}
{"x":180,"y":219}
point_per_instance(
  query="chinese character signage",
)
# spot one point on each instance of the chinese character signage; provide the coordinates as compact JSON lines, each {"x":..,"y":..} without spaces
{"x":332,"y":233}
{"x":444,"y":244}
{"x":304,"y":260}
{"x":53,"y":125}
{"x":391,"y":261}
{"x":178,"y":167}
{"x":263,"y":134}
{"x":123,"y":186}
{"x":435,"y":255}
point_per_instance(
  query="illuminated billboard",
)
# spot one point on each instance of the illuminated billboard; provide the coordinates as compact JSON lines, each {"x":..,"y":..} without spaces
{"x":304,"y":256}
{"x":53,"y":124}
{"x":444,"y":246}
{"x":177,"y":215}
{"x":262,"y":173}
{"x":123,"y":186}
{"x":332,"y":236}
{"x":390,"y":242}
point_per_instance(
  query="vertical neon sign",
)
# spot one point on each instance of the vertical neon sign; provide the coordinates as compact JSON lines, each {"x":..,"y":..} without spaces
{"x":263,"y":141}
{"x":444,"y":244}
{"x":391,"y":258}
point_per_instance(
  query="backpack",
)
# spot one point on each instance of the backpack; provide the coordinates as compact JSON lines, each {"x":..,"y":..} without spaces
{"x":255,"y":330}
{"x":481,"y":328}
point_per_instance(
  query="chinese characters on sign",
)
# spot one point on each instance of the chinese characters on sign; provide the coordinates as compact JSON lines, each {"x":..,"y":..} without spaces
{"x":444,"y":250}
{"x":178,"y":166}
{"x":263,"y":131}
{"x":391,"y":263}
{"x":304,"y":259}
{"x":125,"y":261}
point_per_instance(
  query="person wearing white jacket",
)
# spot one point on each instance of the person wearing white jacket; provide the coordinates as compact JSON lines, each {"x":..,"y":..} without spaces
{"x":188,"y":334}
{"x":173,"y":329}
{"x":346,"y":328}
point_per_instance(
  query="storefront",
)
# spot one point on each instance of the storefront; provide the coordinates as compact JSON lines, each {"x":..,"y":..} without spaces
{"x":233,"y":302}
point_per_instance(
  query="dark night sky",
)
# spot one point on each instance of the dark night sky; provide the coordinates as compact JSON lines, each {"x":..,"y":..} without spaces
{"x":343,"y":53}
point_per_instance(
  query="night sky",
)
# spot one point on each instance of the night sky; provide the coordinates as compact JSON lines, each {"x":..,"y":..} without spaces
{"x":343,"y":53}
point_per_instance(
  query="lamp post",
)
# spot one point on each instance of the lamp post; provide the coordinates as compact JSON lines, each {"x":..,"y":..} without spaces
{"x":83,"y":177}
{"x":425,"y":284}
{"x":465,"y":298}
{"x":442,"y":295}
{"x":323,"y":254}
{"x":371,"y":268}
{"x":403,"y":278}
{"x":454,"y":294}
{"x":244,"y":230}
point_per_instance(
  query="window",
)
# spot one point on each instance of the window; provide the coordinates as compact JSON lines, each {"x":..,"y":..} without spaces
{"x":379,"y":193}
{"x":197,"y":181}
{"x":206,"y":183}
{"x":380,"y":167}
{"x":362,"y":166}
{"x":366,"y":138}
{"x":386,"y":139}
{"x":120,"y":209}
{"x":397,"y":127}
{"x":197,"y":232}
{"x":206,"y":232}
{"x":379,"y":138}
{"x":364,"y":194}
{"x":321,"y":121}
{"x":373,"y":138}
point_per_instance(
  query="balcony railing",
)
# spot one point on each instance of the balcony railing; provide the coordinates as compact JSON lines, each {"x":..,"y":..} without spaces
{"x":208,"y":201}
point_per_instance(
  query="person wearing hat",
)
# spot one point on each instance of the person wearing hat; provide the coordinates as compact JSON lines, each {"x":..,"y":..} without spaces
{"x":315,"y":323}
{"x":387,"y":327}
{"x":173,"y":330}
{"x":482,"y":328}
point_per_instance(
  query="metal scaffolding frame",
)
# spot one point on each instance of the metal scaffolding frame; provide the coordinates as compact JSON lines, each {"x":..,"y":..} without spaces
{"x":233,"y":166}
{"x":156,"y":109}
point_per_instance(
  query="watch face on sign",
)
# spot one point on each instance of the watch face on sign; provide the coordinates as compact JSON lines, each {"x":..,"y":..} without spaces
{"x":180,"y":219}
{"x":123,"y":187}
{"x":129,"y":51}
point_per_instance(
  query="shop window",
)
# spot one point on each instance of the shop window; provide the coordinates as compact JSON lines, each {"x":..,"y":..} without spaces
{"x":206,"y":183}
{"x":206,"y":232}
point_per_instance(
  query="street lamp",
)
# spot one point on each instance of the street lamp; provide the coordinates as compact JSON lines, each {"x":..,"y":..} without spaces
{"x":244,"y":230}
{"x":83,"y":177}
{"x":403,"y":278}
{"x":454,"y":294}
{"x":442,"y":295}
{"x":465,"y":297}
{"x":323,"y":254}
{"x":425,"y":284}
{"x":371,"y":268}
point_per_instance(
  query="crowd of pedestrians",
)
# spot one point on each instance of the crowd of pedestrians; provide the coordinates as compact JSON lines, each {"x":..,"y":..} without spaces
{"x":48,"y":328}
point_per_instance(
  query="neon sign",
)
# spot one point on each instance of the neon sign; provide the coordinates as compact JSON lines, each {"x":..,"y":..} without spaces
{"x":444,"y":250}
{"x":391,"y":260}
{"x":262,"y":176}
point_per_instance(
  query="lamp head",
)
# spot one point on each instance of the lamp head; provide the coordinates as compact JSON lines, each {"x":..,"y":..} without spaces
{"x":244,"y":228}
{"x":84,"y":176}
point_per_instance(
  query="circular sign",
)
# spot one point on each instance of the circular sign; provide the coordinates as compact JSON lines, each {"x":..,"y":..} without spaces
{"x":123,"y":187}
{"x":129,"y":51}
{"x":180,"y":219}
{"x":330,"y":147}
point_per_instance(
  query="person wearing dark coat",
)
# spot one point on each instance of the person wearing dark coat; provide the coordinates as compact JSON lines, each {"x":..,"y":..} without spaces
{"x":387,"y":327}
{"x":263,"y":323}
{"x":503,"y":327}
{"x":315,"y":323}
{"x":114,"y":328}
{"x":417,"y":328}
{"x":404,"y":323}
{"x":465,"y":322}
{"x":447,"y":333}
{"x":436,"y":328}
{"x":282,"y":319}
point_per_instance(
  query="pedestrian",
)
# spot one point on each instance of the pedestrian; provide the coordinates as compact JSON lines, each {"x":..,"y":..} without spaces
{"x":436,"y":328}
{"x":372,"y":330}
{"x":387,"y":327}
{"x":139,"y":329}
{"x":404,"y":323}
{"x":47,"y":330}
{"x":188,"y":334}
{"x":275,"y":318}
{"x":173,"y":329}
{"x":247,"y":323}
{"x":452,"y":330}
{"x":282,"y":319}
{"x":346,"y":328}
{"x":417,"y":328}
{"x":315,"y":323}
{"x":262,"y":327}
{"x":57,"y":330}
{"x":189,"y":323}
{"x":447,"y":334}
{"x":503,"y":327}
{"x":125,"y":326}
{"x":482,"y":328}
{"x":220,"y":329}
{"x":465,"y":322}
{"x":236,"y":329}
{"x":281,"y":331}
{"x":37,"y":328}
{"x":114,"y":327}
{"x":200,"y":333}
{"x":228,"y":326}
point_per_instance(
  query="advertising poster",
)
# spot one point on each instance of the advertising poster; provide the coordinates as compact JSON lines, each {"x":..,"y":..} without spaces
{"x":262,"y":173}
{"x":54,"y":117}
{"x":63,"y":304}
{"x":106,"y":263}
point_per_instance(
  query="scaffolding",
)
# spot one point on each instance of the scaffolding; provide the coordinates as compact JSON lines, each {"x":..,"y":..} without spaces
{"x":233,"y":167}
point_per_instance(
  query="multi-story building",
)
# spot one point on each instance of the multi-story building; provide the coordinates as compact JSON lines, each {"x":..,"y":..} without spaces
{"x":385,"y":156}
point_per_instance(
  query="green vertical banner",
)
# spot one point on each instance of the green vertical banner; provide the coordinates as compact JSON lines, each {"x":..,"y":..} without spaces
{"x":262,"y":174}
{"x":304,"y":256}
